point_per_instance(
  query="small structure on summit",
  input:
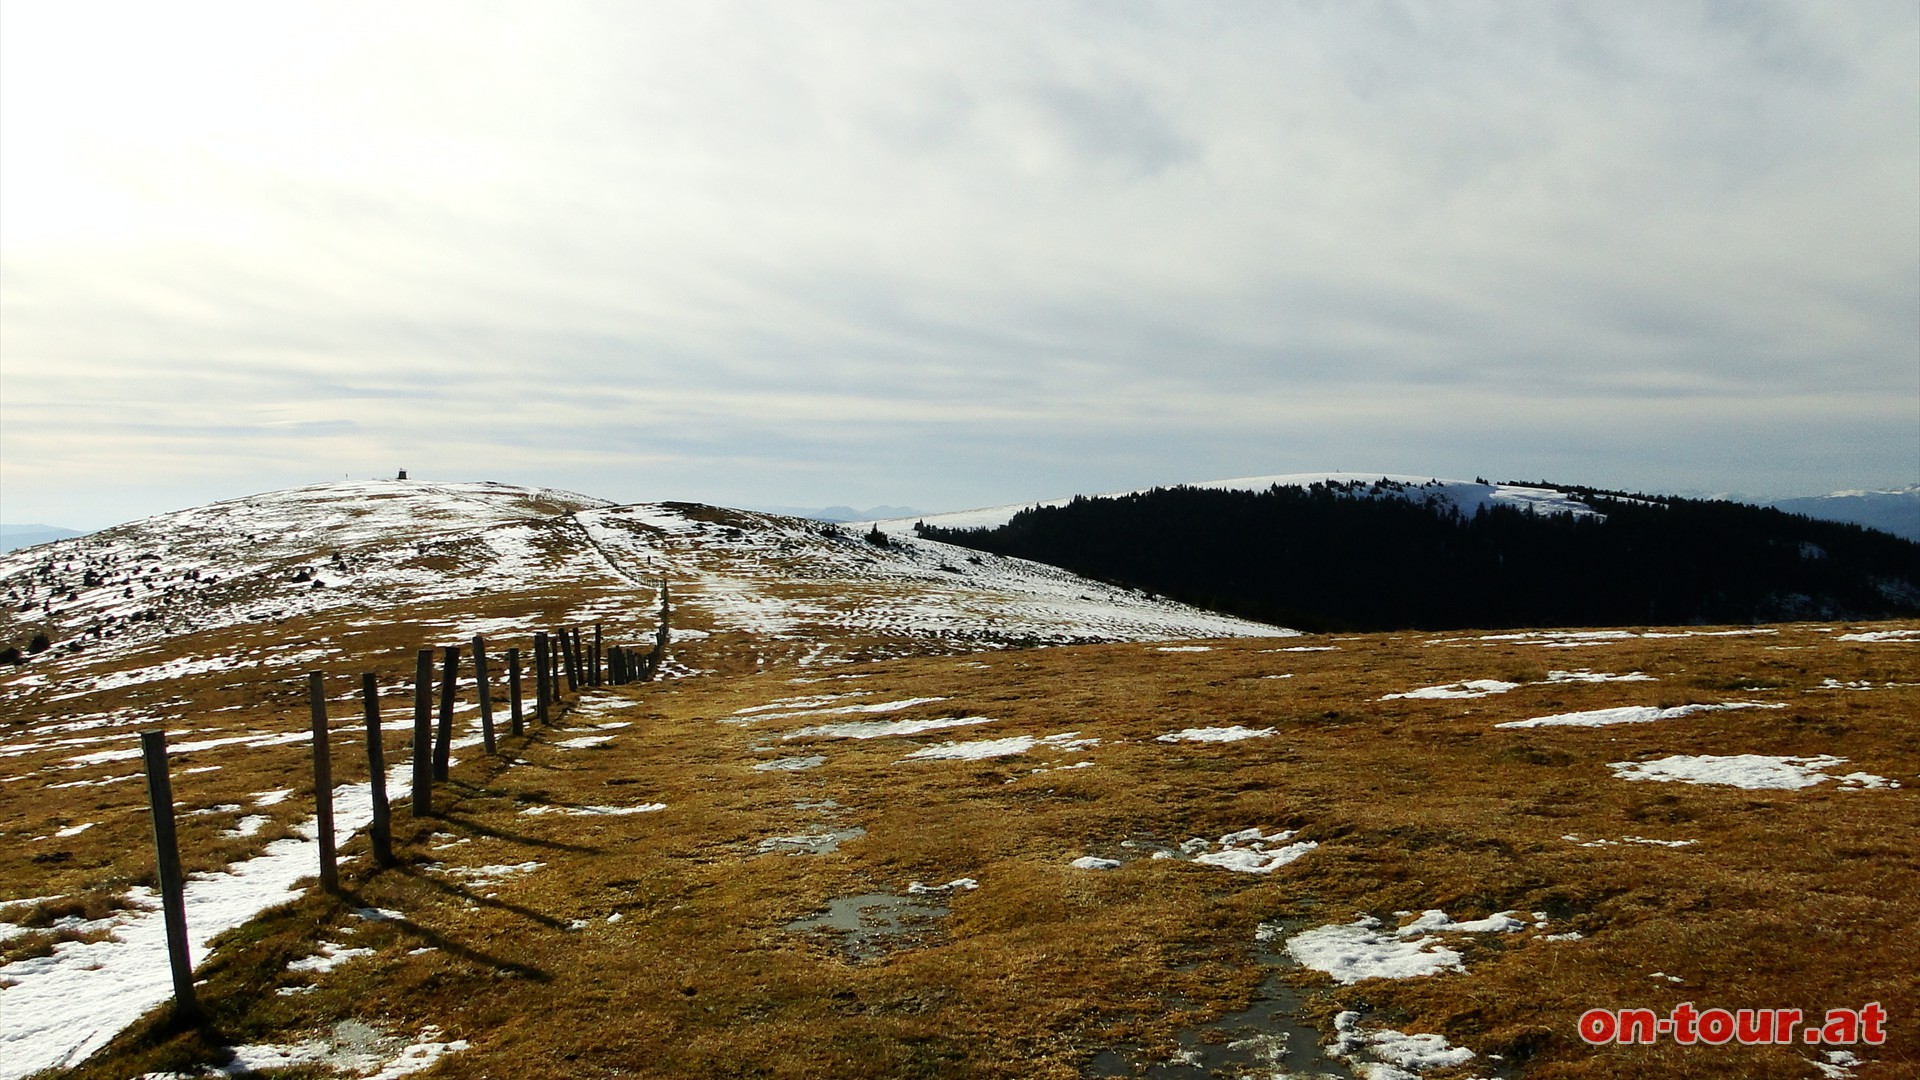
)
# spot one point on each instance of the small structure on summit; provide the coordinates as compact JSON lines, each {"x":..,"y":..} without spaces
{"x":402,"y":476}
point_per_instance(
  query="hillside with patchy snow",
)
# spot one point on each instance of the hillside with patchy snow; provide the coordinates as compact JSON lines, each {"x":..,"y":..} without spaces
{"x":498,"y":559}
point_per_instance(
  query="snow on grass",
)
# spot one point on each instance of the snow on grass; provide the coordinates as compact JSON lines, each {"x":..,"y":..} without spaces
{"x":1471,"y":688}
{"x":64,"y":1006}
{"x":816,"y":841}
{"x":1248,"y":851}
{"x":102,"y":782}
{"x":1094,"y":862}
{"x":876,"y":729}
{"x":593,"y":811}
{"x":251,"y":741}
{"x":1365,"y":949}
{"x":1882,"y":635}
{"x":982,"y":749}
{"x":792,"y":764}
{"x":957,"y":884}
{"x":329,"y":957}
{"x":809,"y":702}
{"x":1214,"y":734}
{"x":1183,"y":648}
{"x":247,"y":826}
{"x":1584,"y":676}
{"x":1752,"y":771}
{"x":1396,"y":1055}
{"x":847,"y":710}
{"x":584,"y":742}
{"x":1631,"y":714}
{"x":1839,"y":1064}
{"x":1434,"y":920}
{"x":75,"y":830}
{"x":1362,"y":949}
{"x":491,"y":875}
{"x":352,"y":1047}
{"x":1574,"y":838}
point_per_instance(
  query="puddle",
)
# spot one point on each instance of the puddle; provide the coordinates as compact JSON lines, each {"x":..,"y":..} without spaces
{"x":817,"y":841}
{"x":872,"y":924}
{"x":1266,"y":1039}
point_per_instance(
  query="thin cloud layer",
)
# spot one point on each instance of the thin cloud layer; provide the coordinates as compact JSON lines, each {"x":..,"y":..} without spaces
{"x":953,"y":255}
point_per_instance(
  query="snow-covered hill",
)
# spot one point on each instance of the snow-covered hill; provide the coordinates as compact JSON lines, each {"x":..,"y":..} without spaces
{"x":506,"y":559}
{"x":1468,"y":495}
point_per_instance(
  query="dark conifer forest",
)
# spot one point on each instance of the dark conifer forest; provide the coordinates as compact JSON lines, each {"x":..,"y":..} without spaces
{"x":1360,"y":557}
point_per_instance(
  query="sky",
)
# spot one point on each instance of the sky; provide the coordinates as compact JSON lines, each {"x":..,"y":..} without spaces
{"x":947,"y":255}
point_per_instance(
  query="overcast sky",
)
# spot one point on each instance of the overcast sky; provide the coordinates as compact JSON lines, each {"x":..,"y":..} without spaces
{"x":957,"y":254}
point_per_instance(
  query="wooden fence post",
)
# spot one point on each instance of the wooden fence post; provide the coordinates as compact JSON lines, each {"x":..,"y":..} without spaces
{"x":593,"y":668}
{"x":486,"y":692}
{"x":660,"y":638}
{"x":443,"y":744}
{"x":513,"y":689}
{"x":382,"y":828}
{"x":570,"y":640}
{"x":322,"y":782}
{"x":542,"y":675}
{"x":423,"y":734}
{"x":173,"y":891}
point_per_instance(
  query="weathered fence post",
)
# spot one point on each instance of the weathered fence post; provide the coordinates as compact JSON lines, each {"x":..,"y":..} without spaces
{"x":443,"y":745}
{"x":382,"y":828}
{"x":660,"y":637}
{"x":570,"y":640}
{"x":513,"y":689}
{"x":593,"y":668}
{"x":542,"y":675}
{"x":322,"y":782}
{"x":486,"y":691}
{"x":423,"y":734}
{"x":173,"y":891}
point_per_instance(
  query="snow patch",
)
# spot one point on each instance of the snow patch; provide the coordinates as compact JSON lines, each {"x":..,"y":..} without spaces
{"x":1471,"y":688}
{"x":1631,"y":714}
{"x":1214,"y":734}
{"x":1752,"y":771}
{"x":878,"y":729}
{"x":983,"y":749}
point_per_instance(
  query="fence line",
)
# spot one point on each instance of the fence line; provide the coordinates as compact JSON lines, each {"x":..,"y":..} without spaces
{"x":561,"y":653}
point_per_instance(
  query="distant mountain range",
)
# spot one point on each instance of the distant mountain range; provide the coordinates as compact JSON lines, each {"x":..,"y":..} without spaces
{"x":20,"y":536}
{"x":839,"y":513}
{"x":1897,"y":512}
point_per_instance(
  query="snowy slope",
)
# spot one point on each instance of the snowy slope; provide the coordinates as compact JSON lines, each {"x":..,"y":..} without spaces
{"x":504,"y":559}
{"x":346,"y":546}
{"x":1468,"y":495}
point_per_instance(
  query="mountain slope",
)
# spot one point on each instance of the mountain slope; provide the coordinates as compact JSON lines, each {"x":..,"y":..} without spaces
{"x":492,"y":557}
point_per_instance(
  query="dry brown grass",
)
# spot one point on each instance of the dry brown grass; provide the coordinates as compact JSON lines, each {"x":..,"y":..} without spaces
{"x":1805,"y":898}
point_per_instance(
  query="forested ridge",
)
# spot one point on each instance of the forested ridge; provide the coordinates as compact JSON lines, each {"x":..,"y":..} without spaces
{"x":1343,"y":556}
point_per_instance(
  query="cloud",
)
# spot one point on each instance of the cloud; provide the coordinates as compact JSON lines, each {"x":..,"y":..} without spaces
{"x":935,"y":254}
